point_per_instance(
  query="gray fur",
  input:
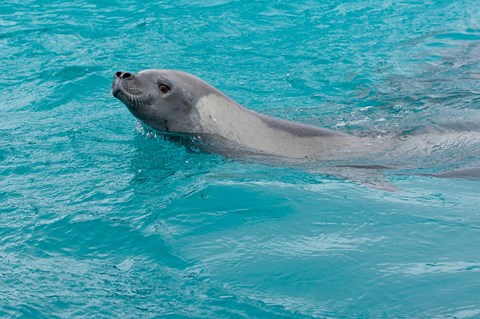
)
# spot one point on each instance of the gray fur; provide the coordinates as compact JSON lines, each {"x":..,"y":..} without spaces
{"x":178,"y":111}
{"x":298,"y":129}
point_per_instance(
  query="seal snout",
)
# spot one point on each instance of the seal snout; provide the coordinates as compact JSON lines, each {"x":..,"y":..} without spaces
{"x":122,"y":75}
{"x":119,"y":76}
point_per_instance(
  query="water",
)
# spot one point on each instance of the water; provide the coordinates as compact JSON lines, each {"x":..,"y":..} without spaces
{"x":100,"y":221}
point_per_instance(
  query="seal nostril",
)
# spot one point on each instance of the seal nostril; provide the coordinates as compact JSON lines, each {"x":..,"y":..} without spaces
{"x":126,"y":75}
{"x":118,"y":74}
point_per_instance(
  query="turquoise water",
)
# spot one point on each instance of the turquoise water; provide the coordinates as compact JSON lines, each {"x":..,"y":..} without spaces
{"x":98,"y":220}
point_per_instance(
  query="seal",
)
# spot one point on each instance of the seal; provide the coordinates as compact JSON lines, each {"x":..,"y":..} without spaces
{"x":175,"y":102}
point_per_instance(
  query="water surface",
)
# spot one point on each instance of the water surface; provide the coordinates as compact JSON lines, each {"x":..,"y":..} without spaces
{"x":98,"y":220}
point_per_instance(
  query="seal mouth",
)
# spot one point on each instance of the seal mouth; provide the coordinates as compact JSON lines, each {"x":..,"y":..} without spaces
{"x":120,"y":93}
{"x":126,"y":84}
{"x":116,"y":91}
{"x":120,"y":89}
{"x":116,"y":86}
{"x":126,"y":91}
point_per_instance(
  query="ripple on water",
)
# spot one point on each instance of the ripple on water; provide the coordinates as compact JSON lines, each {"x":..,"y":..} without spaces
{"x":98,"y":219}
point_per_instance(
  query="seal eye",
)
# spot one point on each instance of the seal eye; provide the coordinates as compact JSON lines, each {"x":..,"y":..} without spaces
{"x":163,"y":88}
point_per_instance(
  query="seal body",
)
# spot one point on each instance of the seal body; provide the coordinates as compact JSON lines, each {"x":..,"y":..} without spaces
{"x":178,"y":102}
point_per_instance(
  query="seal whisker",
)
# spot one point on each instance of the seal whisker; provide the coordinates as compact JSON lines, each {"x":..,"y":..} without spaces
{"x":135,"y":101}
{"x":139,"y":101}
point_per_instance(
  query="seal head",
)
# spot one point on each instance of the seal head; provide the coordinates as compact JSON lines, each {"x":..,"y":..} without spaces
{"x":162,"y":99}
